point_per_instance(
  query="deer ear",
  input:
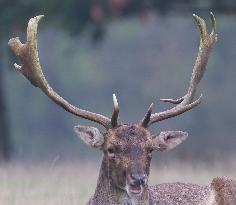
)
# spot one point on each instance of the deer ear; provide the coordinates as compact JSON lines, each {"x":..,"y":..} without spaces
{"x":168,"y":140}
{"x":90,"y":135}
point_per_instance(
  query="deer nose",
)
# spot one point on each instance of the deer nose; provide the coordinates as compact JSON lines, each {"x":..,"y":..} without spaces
{"x":139,"y":179}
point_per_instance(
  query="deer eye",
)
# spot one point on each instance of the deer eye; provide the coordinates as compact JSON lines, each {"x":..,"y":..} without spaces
{"x":111,"y":152}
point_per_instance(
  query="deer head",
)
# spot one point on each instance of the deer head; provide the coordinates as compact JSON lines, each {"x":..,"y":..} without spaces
{"x":127,"y":148}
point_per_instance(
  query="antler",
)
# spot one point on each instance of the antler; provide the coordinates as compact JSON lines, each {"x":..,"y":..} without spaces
{"x":207,"y":42}
{"x":31,"y":69}
{"x":114,"y":118}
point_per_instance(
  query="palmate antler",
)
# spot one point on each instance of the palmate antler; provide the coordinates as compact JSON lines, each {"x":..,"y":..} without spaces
{"x":207,"y":42}
{"x":31,"y":69}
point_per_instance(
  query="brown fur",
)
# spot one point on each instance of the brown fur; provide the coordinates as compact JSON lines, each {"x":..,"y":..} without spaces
{"x":132,"y":144}
{"x":224,"y":190}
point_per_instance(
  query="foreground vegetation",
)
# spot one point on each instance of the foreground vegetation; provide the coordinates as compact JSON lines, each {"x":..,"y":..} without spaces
{"x":73,"y":183}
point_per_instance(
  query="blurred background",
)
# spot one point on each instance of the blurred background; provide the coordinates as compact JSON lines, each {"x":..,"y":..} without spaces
{"x":142,"y":50}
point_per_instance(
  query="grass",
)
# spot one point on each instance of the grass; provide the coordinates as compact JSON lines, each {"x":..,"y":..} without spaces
{"x":74,"y":183}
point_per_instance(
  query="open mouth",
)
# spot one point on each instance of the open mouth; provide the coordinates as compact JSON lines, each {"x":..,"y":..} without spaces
{"x":134,"y":189}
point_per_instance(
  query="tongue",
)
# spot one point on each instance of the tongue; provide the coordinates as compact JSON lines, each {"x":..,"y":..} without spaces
{"x":136,"y":189}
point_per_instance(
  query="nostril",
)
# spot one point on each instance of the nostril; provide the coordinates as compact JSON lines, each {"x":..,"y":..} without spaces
{"x":138,"y":179}
{"x":142,"y":179}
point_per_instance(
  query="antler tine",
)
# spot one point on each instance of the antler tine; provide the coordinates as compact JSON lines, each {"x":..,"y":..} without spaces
{"x":31,"y":69}
{"x":144,"y":122}
{"x":184,"y":104}
{"x":115,"y":114}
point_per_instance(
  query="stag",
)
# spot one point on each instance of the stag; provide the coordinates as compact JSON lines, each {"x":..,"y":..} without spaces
{"x":127,"y":148}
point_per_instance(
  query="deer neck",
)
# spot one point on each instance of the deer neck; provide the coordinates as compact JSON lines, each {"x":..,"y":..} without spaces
{"x":108,"y":194}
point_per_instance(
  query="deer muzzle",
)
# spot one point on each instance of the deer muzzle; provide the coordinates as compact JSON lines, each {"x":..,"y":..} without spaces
{"x":136,"y":180}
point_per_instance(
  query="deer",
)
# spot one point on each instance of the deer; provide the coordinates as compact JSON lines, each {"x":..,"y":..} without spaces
{"x":127,"y":148}
{"x":224,"y":190}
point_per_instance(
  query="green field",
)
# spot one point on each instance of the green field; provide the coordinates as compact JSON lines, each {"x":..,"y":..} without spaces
{"x":73,"y":183}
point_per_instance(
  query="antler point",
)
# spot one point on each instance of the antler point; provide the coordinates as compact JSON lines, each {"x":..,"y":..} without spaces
{"x":39,"y":16}
{"x":196,"y":17}
{"x":17,"y":67}
{"x":115,"y":102}
{"x":150,"y":107}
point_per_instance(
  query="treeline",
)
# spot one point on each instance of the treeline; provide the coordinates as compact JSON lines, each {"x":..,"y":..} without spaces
{"x":74,"y":17}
